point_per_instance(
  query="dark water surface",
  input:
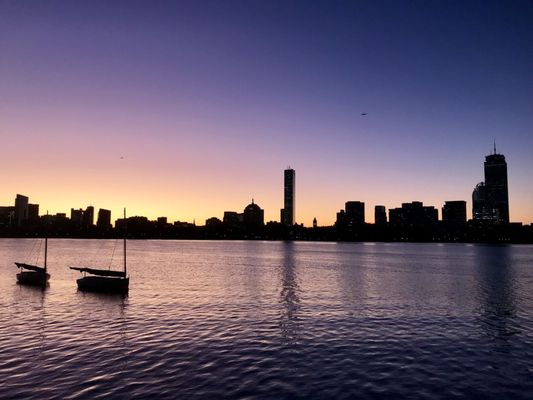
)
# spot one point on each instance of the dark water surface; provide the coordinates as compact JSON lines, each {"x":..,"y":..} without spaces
{"x":271,"y":320}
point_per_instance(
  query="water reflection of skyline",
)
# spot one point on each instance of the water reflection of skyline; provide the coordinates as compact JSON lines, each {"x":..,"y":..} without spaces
{"x":497,"y":288}
{"x":289,"y":295}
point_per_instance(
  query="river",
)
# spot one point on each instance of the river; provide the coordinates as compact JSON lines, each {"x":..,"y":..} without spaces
{"x":270,"y":320}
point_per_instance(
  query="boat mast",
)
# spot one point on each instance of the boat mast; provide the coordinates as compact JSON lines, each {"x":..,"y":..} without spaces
{"x":45,"y":252}
{"x":45,"y":244}
{"x":124,"y":241}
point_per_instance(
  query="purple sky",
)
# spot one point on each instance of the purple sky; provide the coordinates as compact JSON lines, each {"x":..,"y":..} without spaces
{"x":208,"y":102}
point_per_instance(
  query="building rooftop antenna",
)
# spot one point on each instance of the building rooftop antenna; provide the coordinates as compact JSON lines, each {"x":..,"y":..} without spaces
{"x":495,"y":146}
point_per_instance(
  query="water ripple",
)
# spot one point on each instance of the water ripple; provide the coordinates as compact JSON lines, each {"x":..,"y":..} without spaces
{"x":267,"y":320}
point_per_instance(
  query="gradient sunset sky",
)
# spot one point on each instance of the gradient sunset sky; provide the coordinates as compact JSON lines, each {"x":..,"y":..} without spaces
{"x":186,"y":109}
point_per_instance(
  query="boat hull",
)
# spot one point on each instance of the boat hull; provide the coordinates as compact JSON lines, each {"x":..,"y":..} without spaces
{"x":103,"y":284}
{"x":33,"y":278}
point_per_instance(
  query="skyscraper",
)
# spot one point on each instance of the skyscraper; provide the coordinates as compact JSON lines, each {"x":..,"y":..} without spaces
{"x":287,"y":212}
{"x":491,"y":198}
{"x":496,"y":184}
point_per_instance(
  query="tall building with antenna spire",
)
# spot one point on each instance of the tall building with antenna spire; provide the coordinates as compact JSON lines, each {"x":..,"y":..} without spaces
{"x":491,"y":198}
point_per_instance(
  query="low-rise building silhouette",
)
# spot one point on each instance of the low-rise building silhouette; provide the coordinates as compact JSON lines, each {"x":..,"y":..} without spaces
{"x":232,"y":219}
{"x":380,"y":215}
{"x":82,"y":219}
{"x":213,"y":222}
{"x":33,"y":213}
{"x":454,"y":212}
{"x":413,"y":214}
{"x":253,"y":216}
{"x":88,"y":217}
{"x":249,"y":223}
{"x":76,"y":217}
{"x":350,"y":222}
{"x":352,"y":215}
{"x":21,"y":209}
{"x":103,"y":223}
{"x":7,"y":216}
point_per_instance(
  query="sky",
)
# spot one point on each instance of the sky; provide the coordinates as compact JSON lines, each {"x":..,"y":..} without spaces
{"x":187,"y":109}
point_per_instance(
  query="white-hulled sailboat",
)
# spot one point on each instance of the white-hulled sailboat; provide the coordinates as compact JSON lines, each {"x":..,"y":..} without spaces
{"x":104,"y":280}
{"x":34,"y":275}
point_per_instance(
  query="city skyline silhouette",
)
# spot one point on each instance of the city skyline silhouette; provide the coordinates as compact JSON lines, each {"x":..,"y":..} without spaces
{"x":489,"y":203}
{"x":413,"y":221}
{"x":189,"y":108}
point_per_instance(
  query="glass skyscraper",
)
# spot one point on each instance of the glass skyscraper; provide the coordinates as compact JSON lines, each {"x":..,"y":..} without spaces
{"x":490,"y":199}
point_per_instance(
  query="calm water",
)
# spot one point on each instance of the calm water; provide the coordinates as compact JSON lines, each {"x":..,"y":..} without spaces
{"x":271,"y":320}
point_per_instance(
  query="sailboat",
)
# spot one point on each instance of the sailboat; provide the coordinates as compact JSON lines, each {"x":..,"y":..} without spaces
{"x":104,"y":280}
{"x":32,"y":274}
